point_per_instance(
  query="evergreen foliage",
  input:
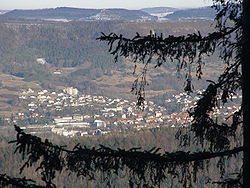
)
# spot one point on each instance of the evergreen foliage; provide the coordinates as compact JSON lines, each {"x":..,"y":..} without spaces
{"x":17,"y":182}
{"x":146,"y":167}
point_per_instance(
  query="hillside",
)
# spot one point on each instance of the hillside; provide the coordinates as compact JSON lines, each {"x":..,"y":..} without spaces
{"x":159,"y":10}
{"x":76,"y":14}
{"x":57,"y":54}
{"x":196,"y":13}
{"x":3,"y":11}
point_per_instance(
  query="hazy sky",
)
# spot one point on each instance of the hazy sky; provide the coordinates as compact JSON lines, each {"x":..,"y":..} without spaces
{"x":130,"y":4}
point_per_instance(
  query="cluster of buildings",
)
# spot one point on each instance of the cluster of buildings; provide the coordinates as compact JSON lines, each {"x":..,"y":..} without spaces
{"x":75,"y":114}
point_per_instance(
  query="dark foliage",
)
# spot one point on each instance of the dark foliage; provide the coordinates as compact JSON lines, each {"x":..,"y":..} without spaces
{"x":145,"y":168}
{"x":6,"y":181}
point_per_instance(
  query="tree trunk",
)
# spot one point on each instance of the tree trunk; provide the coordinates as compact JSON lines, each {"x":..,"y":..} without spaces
{"x":246,"y":92}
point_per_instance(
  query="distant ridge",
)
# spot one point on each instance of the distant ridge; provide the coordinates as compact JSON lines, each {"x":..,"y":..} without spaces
{"x":159,"y":10}
{"x":67,"y":13}
{"x":145,"y":14}
{"x":3,"y":11}
{"x":194,"y":13}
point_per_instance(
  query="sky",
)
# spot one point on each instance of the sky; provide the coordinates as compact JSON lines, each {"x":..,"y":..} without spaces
{"x":129,"y":4}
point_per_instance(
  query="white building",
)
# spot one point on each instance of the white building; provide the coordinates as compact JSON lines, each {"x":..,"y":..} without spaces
{"x":41,"y":61}
{"x":71,"y":91}
{"x":99,"y":123}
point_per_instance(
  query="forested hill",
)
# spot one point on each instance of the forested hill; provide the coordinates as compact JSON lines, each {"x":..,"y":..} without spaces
{"x":196,"y":13}
{"x":159,"y":10}
{"x":73,"y":43}
{"x":78,"y":14}
{"x":73,"y":57}
{"x":66,"y":13}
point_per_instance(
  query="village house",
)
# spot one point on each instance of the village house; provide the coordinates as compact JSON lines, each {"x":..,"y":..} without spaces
{"x":99,"y":123}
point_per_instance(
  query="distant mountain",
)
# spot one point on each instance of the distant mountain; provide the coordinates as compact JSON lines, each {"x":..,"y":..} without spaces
{"x":159,"y":10}
{"x":145,"y":14}
{"x":195,"y":13}
{"x":3,"y":11}
{"x":66,"y":13}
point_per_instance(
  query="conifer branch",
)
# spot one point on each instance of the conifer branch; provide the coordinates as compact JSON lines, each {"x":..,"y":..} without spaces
{"x":88,"y":161}
{"x":6,"y":181}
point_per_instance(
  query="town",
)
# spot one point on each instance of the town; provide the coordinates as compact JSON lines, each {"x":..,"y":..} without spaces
{"x":70,"y":113}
